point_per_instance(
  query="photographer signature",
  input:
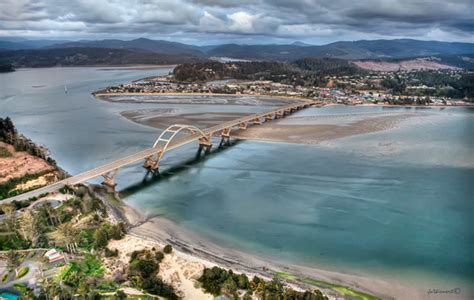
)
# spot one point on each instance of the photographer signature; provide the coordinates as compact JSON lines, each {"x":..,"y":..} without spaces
{"x":456,"y":291}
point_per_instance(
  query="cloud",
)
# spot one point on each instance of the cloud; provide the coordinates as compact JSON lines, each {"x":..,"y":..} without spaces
{"x":245,"y":21}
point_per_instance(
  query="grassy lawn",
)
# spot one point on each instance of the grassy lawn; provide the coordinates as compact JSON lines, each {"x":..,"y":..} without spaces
{"x":346,"y":291}
{"x":286,"y":275}
{"x":23,"y":271}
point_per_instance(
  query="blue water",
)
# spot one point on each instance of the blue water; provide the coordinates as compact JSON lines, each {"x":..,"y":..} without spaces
{"x":393,"y":202}
{"x":397,"y":201}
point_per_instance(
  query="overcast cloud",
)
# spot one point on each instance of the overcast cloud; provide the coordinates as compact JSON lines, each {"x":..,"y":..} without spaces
{"x":244,"y":21}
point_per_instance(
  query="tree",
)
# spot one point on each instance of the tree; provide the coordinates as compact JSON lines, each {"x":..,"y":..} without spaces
{"x":115,"y":232}
{"x":229,"y":287}
{"x":29,"y":227}
{"x":101,"y":238}
{"x":69,"y":235}
{"x":10,"y":217}
{"x":13,"y":261}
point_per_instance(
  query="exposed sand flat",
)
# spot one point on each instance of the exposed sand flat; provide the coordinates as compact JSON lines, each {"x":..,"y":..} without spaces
{"x":197,"y":98}
{"x":304,"y":129}
{"x":315,"y":129}
{"x":162,"y":119}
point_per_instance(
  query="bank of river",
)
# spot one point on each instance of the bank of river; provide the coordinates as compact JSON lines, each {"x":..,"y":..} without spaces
{"x":393,"y":205}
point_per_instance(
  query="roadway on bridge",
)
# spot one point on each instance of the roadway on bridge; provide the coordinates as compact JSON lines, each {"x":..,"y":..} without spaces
{"x":141,"y":155}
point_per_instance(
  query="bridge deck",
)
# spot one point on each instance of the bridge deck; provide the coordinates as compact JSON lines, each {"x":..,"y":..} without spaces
{"x":141,"y":155}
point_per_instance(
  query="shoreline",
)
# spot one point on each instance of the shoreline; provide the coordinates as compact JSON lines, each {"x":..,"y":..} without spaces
{"x":126,"y":66}
{"x":189,"y":244}
{"x":104,"y":97}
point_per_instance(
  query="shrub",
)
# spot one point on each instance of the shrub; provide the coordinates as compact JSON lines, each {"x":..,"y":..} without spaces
{"x":159,"y":256}
{"x":23,"y":271}
{"x":101,"y":238}
{"x":156,"y":286}
{"x":167,"y":249}
{"x":110,"y":253}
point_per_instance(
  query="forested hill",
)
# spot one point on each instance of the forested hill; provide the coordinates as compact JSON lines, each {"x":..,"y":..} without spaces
{"x":264,"y":70}
{"x":89,"y":56}
{"x":327,"y":66}
{"x":147,"y":51}
{"x":212,"y":70}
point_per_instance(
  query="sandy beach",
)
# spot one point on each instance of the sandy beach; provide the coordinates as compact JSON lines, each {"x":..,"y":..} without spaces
{"x":194,"y":250}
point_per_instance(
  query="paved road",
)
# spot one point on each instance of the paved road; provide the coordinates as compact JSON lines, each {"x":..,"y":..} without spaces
{"x":133,"y":158}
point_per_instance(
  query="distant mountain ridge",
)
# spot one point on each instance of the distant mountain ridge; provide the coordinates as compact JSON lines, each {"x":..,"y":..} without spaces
{"x":347,"y":50}
{"x":87,"y":56}
{"x":173,"y":51}
{"x":157,"y":46}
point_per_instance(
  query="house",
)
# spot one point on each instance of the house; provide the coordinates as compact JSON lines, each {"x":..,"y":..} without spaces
{"x":53,"y":255}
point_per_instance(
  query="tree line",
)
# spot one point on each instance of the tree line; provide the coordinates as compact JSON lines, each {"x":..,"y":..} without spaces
{"x":9,"y":135}
{"x":218,"y":281}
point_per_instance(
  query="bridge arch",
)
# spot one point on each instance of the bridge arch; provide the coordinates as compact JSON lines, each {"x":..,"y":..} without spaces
{"x":167,"y":136}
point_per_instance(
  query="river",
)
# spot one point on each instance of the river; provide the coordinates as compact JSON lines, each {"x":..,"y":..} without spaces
{"x":394,"y":203}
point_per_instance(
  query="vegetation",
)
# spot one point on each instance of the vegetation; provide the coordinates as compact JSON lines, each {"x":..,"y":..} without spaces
{"x":22,"y":272}
{"x":218,"y":281}
{"x":438,"y":83}
{"x":304,"y":72}
{"x":143,"y":269}
{"x":328,"y":66}
{"x":212,"y":70}
{"x":4,"y":152}
{"x":83,"y":56}
{"x":167,"y":249}
{"x":340,"y":288}
{"x":9,"y":135}
{"x":7,"y":188}
{"x":324,"y":284}
{"x":5,"y":68}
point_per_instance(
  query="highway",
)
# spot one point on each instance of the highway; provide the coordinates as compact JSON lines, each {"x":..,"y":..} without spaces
{"x":141,"y":155}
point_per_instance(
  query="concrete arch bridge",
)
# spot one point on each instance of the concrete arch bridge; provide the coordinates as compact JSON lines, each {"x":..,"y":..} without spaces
{"x":171,"y":138}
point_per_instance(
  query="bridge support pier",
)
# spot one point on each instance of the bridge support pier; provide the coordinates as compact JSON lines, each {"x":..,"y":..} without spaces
{"x":109,"y":180}
{"x":152,"y":164}
{"x":256,"y":121}
{"x":243,"y":125}
{"x":225,"y":137}
{"x":205,"y":143}
{"x":269,"y":117}
{"x":279,"y":114}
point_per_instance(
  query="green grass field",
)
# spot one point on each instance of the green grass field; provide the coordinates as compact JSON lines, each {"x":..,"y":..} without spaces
{"x":346,"y":291}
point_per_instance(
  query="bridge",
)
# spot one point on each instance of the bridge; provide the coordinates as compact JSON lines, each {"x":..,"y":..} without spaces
{"x":168,"y":140}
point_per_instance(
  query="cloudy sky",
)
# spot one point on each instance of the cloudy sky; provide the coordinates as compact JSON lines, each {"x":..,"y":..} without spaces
{"x":239,"y":21}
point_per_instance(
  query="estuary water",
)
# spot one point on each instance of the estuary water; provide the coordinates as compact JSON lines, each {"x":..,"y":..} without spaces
{"x":397,"y":202}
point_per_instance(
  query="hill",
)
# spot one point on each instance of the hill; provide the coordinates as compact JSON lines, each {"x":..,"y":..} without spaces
{"x":23,"y":44}
{"x":88,"y":56}
{"x":376,"y":49}
{"x":147,"y":51}
{"x":158,"y":46}
{"x":308,"y":71}
{"x":442,"y":62}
